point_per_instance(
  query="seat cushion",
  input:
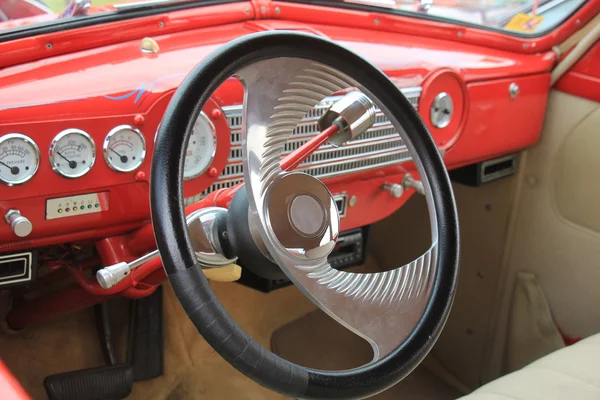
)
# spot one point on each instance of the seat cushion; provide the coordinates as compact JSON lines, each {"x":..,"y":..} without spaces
{"x":572,"y":373}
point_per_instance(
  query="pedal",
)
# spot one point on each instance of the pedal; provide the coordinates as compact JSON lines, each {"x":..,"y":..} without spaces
{"x":147,"y":341}
{"x":105,"y":383}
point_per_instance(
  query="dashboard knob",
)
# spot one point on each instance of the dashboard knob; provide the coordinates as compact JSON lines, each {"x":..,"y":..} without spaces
{"x":19,"y":224}
{"x":394,"y":189}
{"x":411,"y":183}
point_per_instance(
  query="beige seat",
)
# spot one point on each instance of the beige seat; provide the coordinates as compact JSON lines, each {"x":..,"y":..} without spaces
{"x":572,"y":373}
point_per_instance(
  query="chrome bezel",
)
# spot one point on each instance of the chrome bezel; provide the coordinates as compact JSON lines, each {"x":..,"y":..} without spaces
{"x":55,"y":141}
{"x":36,"y":149}
{"x":214,"y":151}
{"x":110,"y":134}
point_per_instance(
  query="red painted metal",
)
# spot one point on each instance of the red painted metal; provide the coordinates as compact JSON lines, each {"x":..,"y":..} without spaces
{"x":583,"y":79}
{"x":500,"y":125}
{"x":292,"y":160}
{"x":382,"y":22}
{"x":10,"y":388}
{"x":94,"y":37}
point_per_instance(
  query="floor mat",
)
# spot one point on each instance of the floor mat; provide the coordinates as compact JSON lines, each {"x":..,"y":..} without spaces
{"x":317,"y":341}
{"x":192,"y":370}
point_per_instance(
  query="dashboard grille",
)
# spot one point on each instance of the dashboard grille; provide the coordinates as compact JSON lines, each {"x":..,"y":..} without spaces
{"x":379,"y":146}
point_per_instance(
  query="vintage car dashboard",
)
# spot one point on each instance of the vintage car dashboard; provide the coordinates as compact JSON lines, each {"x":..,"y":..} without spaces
{"x":77,"y":130}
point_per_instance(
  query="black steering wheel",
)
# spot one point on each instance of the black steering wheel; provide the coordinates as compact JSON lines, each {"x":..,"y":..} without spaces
{"x":399,"y":312}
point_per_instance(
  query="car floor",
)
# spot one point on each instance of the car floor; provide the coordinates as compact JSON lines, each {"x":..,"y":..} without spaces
{"x":283,"y":319}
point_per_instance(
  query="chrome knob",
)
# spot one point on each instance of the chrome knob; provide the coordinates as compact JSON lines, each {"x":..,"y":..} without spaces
{"x":19,"y":224}
{"x":408,"y":182}
{"x":394,"y":189}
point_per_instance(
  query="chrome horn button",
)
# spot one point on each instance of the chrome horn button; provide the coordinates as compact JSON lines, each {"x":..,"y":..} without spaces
{"x":306,"y":214}
{"x":303,"y":216}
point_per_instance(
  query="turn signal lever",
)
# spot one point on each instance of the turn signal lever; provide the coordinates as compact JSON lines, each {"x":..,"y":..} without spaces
{"x":203,"y":226}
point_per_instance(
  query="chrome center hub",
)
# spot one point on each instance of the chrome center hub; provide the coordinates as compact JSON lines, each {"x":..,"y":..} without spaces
{"x":307,"y":215}
{"x":303,"y":215}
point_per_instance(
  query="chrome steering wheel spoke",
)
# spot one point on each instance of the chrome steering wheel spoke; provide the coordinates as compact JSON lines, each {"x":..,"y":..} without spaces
{"x":296,"y":217}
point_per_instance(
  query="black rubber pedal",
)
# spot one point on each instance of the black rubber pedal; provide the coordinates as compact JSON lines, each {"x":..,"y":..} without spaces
{"x":105,"y":383}
{"x":147,"y":341}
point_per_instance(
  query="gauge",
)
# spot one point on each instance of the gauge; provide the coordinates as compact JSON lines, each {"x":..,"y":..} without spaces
{"x":124,"y":148}
{"x":19,"y":159}
{"x":72,"y":153}
{"x":201,"y":147}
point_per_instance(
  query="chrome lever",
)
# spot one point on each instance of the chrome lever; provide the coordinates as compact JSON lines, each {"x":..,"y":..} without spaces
{"x":204,"y":235}
{"x":110,"y":276}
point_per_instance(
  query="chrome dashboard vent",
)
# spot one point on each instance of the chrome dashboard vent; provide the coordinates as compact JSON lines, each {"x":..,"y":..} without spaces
{"x":378,"y":147}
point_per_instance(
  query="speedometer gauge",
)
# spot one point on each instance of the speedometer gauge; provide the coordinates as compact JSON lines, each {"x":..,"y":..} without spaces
{"x":72,"y":153}
{"x":19,"y":159}
{"x":124,"y":148}
{"x":201,"y":148}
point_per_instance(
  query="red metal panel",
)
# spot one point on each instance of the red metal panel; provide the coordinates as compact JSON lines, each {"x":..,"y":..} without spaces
{"x":97,"y":89}
{"x":10,"y":388}
{"x":378,"y":22}
{"x":94,"y":37}
{"x":498,"y":124}
{"x":583,"y":79}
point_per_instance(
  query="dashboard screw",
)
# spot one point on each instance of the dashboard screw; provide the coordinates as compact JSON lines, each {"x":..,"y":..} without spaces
{"x":277,"y":10}
{"x":459,"y":33}
{"x":139,"y":119}
{"x":352,"y":201}
{"x":140,"y":176}
{"x":376,"y":21}
{"x":161,"y":24}
{"x":216,"y":113}
{"x":263,"y":9}
{"x":247,"y":10}
{"x":48,"y":46}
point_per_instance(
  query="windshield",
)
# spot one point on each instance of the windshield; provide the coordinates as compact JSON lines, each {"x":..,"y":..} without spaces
{"x":523,"y":16}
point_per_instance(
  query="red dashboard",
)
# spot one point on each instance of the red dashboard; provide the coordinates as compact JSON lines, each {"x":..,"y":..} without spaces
{"x":98,"y":89}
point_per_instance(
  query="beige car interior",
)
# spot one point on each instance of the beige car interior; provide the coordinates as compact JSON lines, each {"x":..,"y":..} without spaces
{"x":530,"y":273}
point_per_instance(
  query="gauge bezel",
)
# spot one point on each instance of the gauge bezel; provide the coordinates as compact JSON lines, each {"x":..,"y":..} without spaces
{"x":214,"y":150}
{"x":112,"y":132}
{"x":57,"y":138}
{"x":33,"y":144}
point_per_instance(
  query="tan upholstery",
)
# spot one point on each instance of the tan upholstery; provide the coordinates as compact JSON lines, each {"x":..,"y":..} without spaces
{"x":572,"y":373}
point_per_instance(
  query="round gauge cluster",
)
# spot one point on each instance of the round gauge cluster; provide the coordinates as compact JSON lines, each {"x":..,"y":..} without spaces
{"x":201,"y":148}
{"x":124,"y":148}
{"x":72,"y":153}
{"x":19,"y":159}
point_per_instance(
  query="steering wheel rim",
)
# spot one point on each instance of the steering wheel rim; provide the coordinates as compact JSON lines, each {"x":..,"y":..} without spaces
{"x":184,"y":272}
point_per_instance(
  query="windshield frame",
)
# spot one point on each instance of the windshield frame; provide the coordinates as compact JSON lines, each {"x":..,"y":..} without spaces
{"x":59,"y":25}
{"x":434,"y":18}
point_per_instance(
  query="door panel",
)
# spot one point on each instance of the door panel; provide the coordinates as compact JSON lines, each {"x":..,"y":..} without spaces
{"x":555,"y":229}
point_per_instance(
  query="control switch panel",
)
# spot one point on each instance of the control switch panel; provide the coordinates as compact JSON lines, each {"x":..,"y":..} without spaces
{"x":72,"y":206}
